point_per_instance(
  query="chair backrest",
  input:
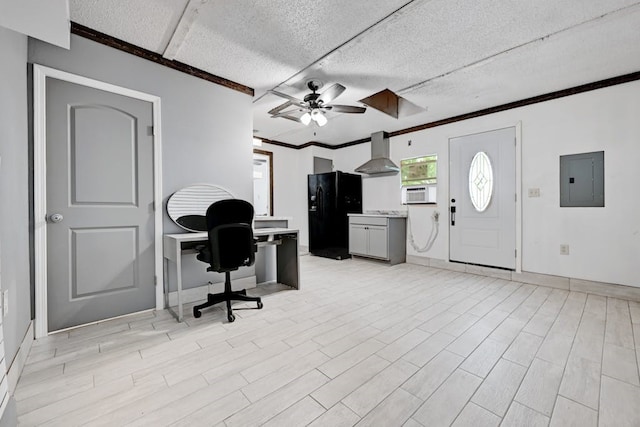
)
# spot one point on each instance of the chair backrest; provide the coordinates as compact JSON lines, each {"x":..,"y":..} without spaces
{"x":230,"y":234}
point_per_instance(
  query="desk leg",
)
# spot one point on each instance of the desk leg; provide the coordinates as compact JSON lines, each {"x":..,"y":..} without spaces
{"x":179,"y":315}
{"x":179,"y":281}
{"x":288,"y":263}
{"x":167,"y":282}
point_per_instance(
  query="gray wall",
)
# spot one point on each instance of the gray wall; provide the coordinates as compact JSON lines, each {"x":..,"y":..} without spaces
{"x":206,"y":128}
{"x":207,"y":137}
{"x":14,"y":188}
{"x":14,"y":197}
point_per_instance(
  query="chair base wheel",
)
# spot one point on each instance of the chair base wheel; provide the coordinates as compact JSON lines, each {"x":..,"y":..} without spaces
{"x":227,"y":296}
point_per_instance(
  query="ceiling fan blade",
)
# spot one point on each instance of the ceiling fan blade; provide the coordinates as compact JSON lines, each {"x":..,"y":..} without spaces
{"x":347,"y":109}
{"x":289,"y":97}
{"x":285,"y":113}
{"x":281,"y":108}
{"x":286,"y":116}
{"x":332,"y":93}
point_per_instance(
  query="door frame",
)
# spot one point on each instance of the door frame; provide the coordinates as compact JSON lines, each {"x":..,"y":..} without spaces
{"x":40,"y":74}
{"x":518,"y":160}
{"x":269,"y":154}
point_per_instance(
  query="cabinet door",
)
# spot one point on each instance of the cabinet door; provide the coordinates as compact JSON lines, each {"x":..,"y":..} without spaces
{"x":378,"y":242}
{"x":358,"y":239}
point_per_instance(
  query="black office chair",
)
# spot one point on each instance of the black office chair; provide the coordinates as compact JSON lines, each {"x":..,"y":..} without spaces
{"x":231,"y":245}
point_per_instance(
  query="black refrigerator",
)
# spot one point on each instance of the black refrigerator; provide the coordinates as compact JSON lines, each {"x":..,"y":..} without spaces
{"x":331,"y":197}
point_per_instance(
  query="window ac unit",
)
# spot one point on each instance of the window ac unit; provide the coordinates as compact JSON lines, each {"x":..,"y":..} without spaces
{"x":419,"y":194}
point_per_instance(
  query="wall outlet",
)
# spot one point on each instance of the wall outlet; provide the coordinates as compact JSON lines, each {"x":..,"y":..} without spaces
{"x":564,"y":249}
{"x":534,"y":192}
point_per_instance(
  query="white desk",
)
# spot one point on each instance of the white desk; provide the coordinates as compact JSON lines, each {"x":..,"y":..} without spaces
{"x":287,"y":265}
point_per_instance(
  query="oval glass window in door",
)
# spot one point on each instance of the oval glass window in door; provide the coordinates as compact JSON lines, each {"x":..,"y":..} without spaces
{"x":480,"y":181}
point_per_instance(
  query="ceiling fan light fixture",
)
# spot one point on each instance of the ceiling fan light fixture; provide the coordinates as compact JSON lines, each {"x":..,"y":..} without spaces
{"x":314,"y":105}
{"x":305,"y":119}
{"x":320,"y":119}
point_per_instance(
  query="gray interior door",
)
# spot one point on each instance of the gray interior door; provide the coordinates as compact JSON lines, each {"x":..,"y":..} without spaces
{"x":482,"y":184}
{"x":100,"y":231}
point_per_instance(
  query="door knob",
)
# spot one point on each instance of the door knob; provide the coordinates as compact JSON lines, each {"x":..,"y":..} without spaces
{"x":56,"y":217}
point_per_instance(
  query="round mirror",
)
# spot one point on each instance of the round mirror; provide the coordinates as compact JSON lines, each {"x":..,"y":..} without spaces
{"x":188,"y":207}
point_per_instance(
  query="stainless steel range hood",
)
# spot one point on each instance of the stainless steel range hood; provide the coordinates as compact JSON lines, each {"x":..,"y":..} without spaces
{"x":380,"y":162}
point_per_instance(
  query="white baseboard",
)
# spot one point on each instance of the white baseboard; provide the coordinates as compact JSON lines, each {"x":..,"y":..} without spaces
{"x":17,"y":365}
{"x":613,"y":290}
{"x":200,"y":293}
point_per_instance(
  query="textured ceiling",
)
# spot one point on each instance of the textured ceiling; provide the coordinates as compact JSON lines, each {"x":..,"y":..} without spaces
{"x":449,"y":57}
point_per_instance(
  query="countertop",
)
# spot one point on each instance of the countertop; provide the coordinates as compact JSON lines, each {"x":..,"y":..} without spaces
{"x":272,"y":218}
{"x":382,"y":214}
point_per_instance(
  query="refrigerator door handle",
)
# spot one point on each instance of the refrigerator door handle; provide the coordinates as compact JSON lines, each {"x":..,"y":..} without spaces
{"x":320,"y":201}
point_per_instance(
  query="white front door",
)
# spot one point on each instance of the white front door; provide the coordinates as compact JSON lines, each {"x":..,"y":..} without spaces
{"x":482,"y":218}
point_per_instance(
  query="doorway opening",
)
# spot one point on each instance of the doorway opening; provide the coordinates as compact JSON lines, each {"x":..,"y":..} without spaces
{"x":263,"y":182}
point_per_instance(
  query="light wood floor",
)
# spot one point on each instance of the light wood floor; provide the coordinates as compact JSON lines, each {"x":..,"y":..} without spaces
{"x":362,"y":343}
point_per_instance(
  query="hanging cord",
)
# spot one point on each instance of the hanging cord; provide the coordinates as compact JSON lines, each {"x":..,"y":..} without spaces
{"x":432,"y":235}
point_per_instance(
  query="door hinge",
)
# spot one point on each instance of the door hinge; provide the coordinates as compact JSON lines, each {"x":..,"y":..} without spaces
{"x":516,"y":253}
{"x":151,"y":131}
{"x":155,"y":280}
{"x":516,"y":197}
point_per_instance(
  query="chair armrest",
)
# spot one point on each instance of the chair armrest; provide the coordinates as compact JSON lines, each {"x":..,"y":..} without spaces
{"x":204,"y":253}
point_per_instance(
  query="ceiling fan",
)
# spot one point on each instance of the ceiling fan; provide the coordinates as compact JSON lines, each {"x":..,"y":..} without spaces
{"x":314,"y":105}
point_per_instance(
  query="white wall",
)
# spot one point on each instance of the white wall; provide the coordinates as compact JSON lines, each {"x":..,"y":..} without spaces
{"x":290,"y":186}
{"x":290,"y":170}
{"x":604,"y":242}
{"x":261,"y":184}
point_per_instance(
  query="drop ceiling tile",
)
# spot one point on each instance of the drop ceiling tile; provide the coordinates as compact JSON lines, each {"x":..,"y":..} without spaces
{"x":263,"y":43}
{"x":429,"y":39}
{"x":559,"y":62}
{"x":144,"y":23}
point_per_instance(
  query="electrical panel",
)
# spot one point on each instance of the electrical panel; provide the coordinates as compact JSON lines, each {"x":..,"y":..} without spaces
{"x":582,"y":180}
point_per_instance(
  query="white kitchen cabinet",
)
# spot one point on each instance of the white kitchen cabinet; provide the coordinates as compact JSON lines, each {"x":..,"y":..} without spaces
{"x":358,"y":239}
{"x":378,"y":236}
